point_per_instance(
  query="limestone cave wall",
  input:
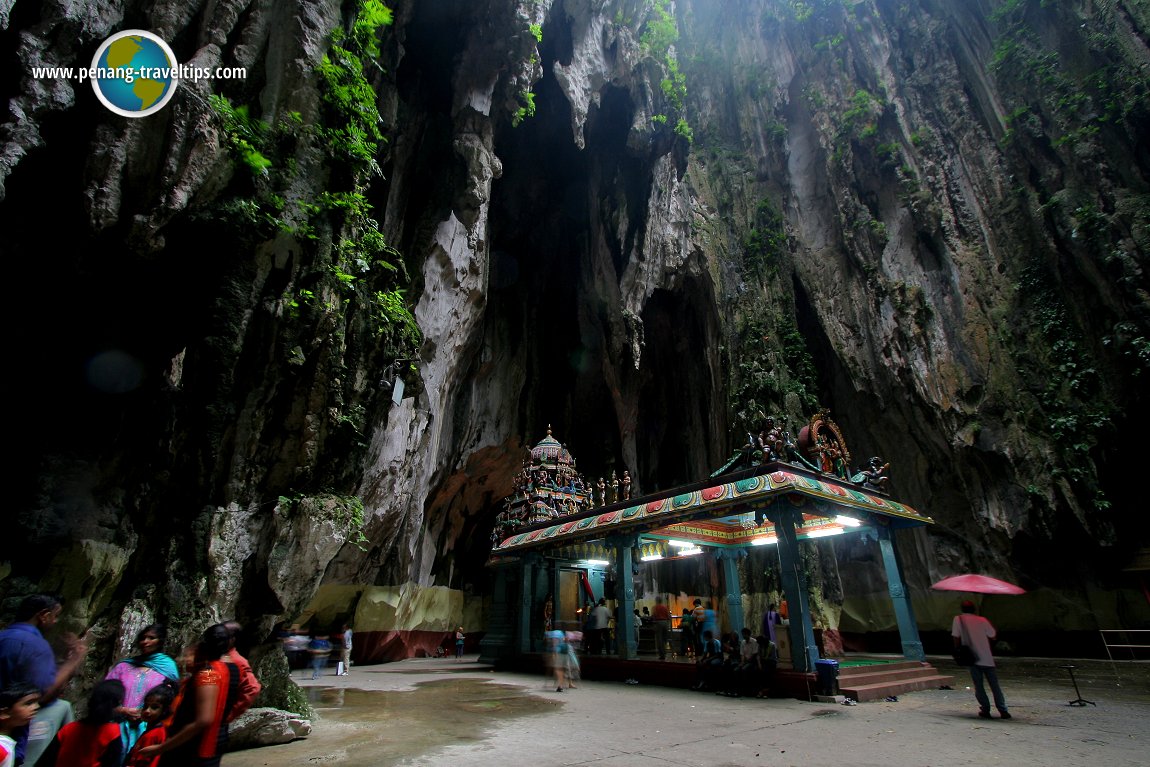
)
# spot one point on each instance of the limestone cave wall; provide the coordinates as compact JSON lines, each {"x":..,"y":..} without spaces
{"x":637,"y":222}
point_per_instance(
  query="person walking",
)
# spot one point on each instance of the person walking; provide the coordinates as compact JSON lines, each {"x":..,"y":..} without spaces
{"x":460,"y":638}
{"x":556,"y":657}
{"x":320,"y":649}
{"x":976,"y":632}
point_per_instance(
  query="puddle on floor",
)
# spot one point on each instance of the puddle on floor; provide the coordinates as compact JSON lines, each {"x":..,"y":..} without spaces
{"x":360,"y":727}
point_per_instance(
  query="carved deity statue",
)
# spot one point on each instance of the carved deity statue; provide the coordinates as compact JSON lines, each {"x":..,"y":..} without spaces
{"x":601,"y":492}
{"x":626,"y":485}
{"x":614,"y":487}
{"x":823,"y":449}
{"x":776,"y":439}
{"x":874,"y":475}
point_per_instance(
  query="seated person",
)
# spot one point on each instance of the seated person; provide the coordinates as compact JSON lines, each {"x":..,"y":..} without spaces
{"x":745,"y":676}
{"x":710,"y":663}
{"x":732,"y":658}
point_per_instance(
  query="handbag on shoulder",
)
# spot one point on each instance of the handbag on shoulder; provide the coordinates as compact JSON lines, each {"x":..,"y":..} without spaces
{"x":964,"y":653}
{"x":964,"y":656}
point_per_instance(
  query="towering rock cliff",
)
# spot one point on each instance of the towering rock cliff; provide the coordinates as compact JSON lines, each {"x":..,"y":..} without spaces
{"x":962,"y":189}
{"x":640,"y":222}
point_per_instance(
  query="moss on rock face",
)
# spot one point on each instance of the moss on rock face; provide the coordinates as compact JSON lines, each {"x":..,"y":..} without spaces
{"x":279,"y":691}
{"x":964,"y":252}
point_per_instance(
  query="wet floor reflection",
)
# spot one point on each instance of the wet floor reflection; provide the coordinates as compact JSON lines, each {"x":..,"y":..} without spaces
{"x":362,"y":727}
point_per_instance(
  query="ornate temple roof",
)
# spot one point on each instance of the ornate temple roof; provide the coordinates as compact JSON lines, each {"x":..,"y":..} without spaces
{"x":822,"y":500}
{"x":552,"y":506}
{"x":547,"y":487}
{"x":550,"y":454}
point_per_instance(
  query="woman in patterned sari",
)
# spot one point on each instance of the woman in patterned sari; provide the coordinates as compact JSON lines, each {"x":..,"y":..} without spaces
{"x":140,"y":674}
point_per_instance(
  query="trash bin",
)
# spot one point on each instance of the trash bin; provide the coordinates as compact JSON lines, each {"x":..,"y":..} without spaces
{"x":827,"y":676}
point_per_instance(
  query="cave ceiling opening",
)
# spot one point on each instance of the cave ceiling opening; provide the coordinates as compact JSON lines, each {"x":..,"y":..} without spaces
{"x":554,"y":212}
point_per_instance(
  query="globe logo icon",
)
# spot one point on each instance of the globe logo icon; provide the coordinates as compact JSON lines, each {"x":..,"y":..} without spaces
{"x":134,"y":73}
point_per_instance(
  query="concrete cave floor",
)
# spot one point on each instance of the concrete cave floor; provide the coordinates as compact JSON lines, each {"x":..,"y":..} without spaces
{"x":436,"y":711}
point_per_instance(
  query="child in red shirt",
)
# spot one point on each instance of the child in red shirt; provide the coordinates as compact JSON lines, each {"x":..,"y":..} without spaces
{"x":93,"y":741}
{"x":156,"y":709}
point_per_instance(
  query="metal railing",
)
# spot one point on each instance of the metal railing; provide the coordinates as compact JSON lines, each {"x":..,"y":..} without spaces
{"x":1120,"y":639}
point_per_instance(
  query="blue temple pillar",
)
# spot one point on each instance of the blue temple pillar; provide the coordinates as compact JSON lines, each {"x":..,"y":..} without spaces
{"x":528,"y":566}
{"x":625,"y":642}
{"x":729,"y":559}
{"x":556,"y":606}
{"x":804,"y":650}
{"x":903,"y":611}
{"x":498,"y":644}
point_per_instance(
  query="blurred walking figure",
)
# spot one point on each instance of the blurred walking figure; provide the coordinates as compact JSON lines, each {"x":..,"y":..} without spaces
{"x":460,"y":638}
{"x":320,"y":649}
{"x":295,"y":648}
{"x":573,"y":640}
{"x":976,"y":632}
{"x":557,"y":657}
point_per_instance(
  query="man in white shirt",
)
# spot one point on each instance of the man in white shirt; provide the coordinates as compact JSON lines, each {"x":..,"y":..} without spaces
{"x":345,"y":651}
{"x":976,"y":632}
{"x":601,"y":624}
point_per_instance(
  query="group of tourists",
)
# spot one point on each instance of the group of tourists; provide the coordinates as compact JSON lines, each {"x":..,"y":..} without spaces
{"x":151,"y":709}
{"x":736,"y":666}
{"x":315,"y":649}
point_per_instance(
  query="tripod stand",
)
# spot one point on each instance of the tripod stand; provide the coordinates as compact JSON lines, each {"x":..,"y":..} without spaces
{"x":1079,"y":701}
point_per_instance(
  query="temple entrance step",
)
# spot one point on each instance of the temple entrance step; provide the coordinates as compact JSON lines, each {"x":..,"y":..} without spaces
{"x":882,"y":680}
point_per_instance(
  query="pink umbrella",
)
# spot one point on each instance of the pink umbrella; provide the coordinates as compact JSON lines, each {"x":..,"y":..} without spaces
{"x":977,"y":584}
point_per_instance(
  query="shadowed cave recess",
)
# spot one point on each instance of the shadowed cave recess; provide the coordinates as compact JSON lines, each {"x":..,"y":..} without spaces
{"x":564,"y":222}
